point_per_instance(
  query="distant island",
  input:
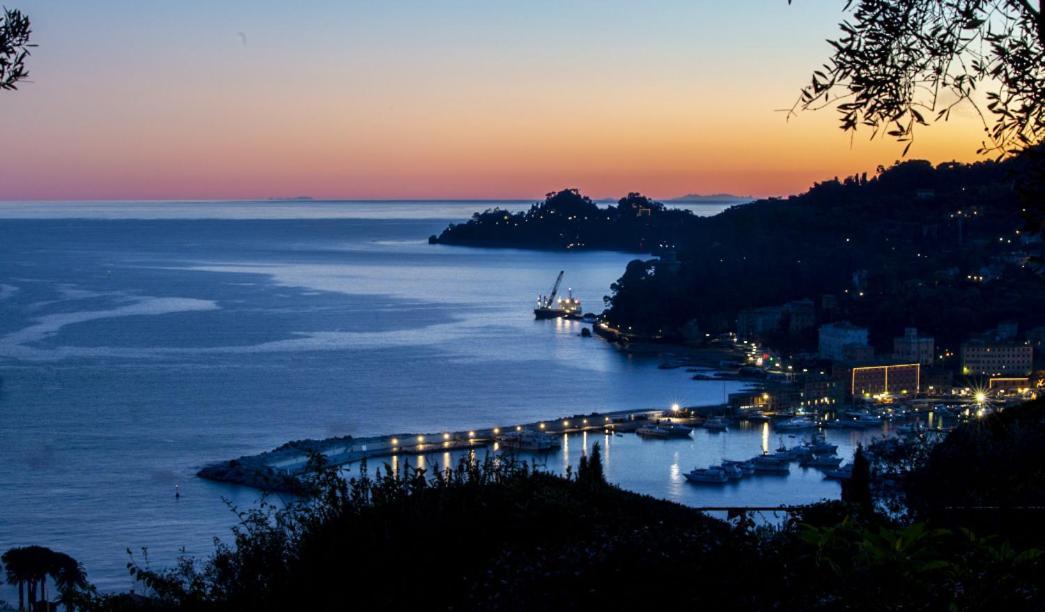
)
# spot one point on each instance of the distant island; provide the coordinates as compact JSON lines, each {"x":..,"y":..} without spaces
{"x":568,"y":220}
{"x":302,"y":198}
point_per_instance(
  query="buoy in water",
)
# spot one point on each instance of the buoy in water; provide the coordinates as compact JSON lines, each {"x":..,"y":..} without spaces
{"x":177,"y":491}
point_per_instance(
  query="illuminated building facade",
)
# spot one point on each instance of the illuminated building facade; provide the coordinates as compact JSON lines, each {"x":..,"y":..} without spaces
{"x":885,"y":380}
{"x":1016,"y":383}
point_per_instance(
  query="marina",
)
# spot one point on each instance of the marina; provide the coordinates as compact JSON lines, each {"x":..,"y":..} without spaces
{"x":776,"y":450}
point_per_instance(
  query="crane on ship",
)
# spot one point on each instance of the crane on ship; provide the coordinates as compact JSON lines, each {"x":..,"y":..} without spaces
{"x":549,"y":300}
{"x":549,"y":308}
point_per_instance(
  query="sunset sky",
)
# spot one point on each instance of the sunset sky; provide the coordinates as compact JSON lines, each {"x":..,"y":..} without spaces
{"x":429,"y":99}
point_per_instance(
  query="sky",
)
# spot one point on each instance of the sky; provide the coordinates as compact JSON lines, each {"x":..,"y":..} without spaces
{"x":440,"y":99}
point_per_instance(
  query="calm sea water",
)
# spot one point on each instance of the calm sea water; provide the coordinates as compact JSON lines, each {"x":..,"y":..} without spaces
{"x":141,"y":340}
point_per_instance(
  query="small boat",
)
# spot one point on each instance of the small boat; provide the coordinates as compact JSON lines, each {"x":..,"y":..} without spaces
{"x":529,"y":440}
{"x":844,"y":472}
{"x":768,"y":464}
{"x":711,"y":475}
{"x":822,"y":461}
{"x":865,"y":419}
{"x":791,"y":454}
{"x":715,"y":424}
{"x":909,"y":429}
{"x":818,"y":445}
{"x":795,"y":424}
{"x":859,"y":420}
{"x":665,"y":430}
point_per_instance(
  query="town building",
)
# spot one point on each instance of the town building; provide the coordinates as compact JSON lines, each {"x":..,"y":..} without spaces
{"x":893,"y":380}
{"x":937,"y":381}
{"x":854,"y":353}
{"x":792,"y":318}
{"x":757,"y":322}
{"x":778,"y":397}
{"x":820,"y":390}
{"x":993,"y":358}
{"x":910,"y":347}
{"x":1012,"y":383}
{"x":835,"y":338}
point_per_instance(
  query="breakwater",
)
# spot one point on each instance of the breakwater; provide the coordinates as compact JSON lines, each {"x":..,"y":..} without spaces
{"x":280,"y":469}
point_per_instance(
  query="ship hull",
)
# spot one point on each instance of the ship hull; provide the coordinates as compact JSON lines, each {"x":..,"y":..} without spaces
{"x":548,"y":313}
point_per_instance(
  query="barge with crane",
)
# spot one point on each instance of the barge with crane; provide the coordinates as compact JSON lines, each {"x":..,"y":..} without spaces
{"x":567,"y":307}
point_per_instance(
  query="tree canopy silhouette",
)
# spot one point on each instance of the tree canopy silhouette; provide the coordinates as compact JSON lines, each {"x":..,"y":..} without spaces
{"x":29,"y":567}
{"x":900,"y":64}
{"x":14,"y":48}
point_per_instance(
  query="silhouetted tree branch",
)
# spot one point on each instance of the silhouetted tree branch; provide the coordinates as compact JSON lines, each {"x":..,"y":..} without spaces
{"x":14,"y":48}
{"x":900,"y":64}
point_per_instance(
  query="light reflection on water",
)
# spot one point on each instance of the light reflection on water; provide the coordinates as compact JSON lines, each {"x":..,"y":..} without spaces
{"x":657,"y":467}
{"x":676,"y":478}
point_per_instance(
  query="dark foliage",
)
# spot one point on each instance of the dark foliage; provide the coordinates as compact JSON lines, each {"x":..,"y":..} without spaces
{"x":484,"y":535}
{"x":856,"y":490}
{"x":14,"y":48}
{"x":907,"y":239}
{"x":498,"y":535}
{"x":900,"y":64}
{"x":30,"y":567}
{"x":988,"y":475}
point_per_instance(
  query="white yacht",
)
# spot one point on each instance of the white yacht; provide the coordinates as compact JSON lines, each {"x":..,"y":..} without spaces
{"x":795,"y":424}
{"x":711,"y":475}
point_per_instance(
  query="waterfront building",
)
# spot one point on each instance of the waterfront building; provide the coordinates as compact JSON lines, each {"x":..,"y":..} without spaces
{"x":781,"y":397}
{"x":885,"y":380}
{"x":1011,"y":383}
{"x":748,"y":400}
{"x":836,"y":337}
{"x":911,"y":347}
{"x":937,"y":381}
{"x":985,"y":358}
{"x":820,"y":389}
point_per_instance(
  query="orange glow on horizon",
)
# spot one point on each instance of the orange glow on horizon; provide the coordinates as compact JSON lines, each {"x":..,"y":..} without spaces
{"x":378,"y":105}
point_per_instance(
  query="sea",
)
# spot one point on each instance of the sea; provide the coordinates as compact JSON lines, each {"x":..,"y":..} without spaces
{"x":142,"y":340}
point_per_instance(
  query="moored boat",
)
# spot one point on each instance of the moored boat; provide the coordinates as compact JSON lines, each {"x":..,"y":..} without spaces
{"x":818,"y":445}
{"x":745,"y":467}
{"x":711,"y":475}
{"x":664,"y":430}
{"x":716,"y":423}
{"x":821,"y":461}
{"x":768,"y":464}
{"x":795,"y":424}
{"x":844,"y":472}
{"x":732,"y":470}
